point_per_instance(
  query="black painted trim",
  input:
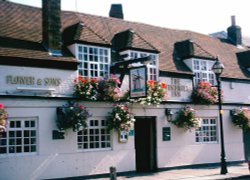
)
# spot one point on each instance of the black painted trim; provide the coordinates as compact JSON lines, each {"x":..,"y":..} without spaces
{"x":90,"y":43}
{"x":80,"y":99}
{"x":176,"y":75}
{"x":41,"y":63}
{"x":139,"y":49}
{"x":236,"y":80}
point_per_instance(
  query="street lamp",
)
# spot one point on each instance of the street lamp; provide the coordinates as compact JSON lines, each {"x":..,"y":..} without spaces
{"x":217,"y":69}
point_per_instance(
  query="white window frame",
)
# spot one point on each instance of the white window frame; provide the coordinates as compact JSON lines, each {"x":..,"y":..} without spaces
{"x":97,"y":58}
{"x":152,"y":67}
{"x":21,"y":138}
{"x":99,"y":135}
{"x":203,"y":72}
{"x":201,"y":132}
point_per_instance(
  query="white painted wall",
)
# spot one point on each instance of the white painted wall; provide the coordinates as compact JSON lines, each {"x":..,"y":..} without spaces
{"x":60,"y":158}
{"x":236,"y":92}
{"x":183,"y":150}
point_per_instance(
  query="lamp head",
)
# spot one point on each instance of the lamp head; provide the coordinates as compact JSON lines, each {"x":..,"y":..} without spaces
{"x":218,"y":68}
{"x":169,"y":114}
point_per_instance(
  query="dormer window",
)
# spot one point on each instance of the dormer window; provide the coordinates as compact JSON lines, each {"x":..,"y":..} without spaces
{"x":202,"y":71}
{"x":94,"y":61}
{"x":152,"y":67}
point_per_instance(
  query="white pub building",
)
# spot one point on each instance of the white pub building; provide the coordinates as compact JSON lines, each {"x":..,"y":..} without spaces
{"x":43,"y":51}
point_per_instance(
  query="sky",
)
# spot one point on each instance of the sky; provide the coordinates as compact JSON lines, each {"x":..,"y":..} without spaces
{"x":203,"y":16}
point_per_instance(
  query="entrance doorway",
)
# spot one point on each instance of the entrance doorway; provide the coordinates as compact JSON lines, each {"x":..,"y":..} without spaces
{"x":246,"y":140}
{"x":145,"y":144}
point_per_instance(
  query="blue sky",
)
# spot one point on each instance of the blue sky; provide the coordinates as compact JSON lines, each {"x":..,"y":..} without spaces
{"x":204,"y":16}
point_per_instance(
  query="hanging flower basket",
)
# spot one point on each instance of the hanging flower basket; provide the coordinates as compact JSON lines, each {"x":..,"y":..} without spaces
{"x":3,"y":118}
{"x":186,"y":118}
{"x":120,"y":118}
{"x":205,"y":93}
{"x":72,"y":115}
{"x":156,"y":93}
{"x":241,"y":118}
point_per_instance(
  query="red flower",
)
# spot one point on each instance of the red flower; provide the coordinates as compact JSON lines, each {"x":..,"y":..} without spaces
{"x":163,"y":85}
{"x":151,"y":82}
{"x":1,"y":106}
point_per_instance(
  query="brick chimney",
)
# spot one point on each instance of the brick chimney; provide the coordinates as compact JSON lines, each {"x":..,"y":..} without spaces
{"x":116,"y":11}
{"x":234,"y":32}
{"x":51,"y":25}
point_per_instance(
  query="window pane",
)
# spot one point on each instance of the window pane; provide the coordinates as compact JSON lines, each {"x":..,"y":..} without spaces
{"x":207,"y":132}
{"x":19,"y":133}
{"x":95,"y":137}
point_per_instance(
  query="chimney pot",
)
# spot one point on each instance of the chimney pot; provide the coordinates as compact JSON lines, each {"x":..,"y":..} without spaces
{"x":233,"y":21}
{"x":116,"y":11}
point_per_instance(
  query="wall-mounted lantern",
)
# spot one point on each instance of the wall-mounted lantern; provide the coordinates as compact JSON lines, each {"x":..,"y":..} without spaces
{"x":169,"y":114}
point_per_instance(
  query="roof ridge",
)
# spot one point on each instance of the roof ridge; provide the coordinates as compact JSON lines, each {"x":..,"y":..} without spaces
{"x":128,"y":21}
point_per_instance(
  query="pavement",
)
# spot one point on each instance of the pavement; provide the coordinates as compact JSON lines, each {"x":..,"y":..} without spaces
{"x":236,"y":171}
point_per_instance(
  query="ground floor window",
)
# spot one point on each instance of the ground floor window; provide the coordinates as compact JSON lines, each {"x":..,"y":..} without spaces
{"x":207,"y":132}
{"x":95,"y":136}
{"x":20,"y":136}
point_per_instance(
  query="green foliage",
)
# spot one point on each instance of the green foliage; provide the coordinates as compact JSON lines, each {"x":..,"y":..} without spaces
{"x":241,"y":118}
{"x":186,"y":118}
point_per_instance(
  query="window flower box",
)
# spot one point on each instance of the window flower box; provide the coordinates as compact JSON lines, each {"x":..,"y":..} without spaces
{"x":156,"y":93}
{"x":86,"y":88}
{"x":94,"y":89}
{"x":205,"y":93}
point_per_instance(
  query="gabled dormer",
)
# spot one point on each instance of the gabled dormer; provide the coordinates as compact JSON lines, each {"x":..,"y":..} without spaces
{"x":132,"y":45}
{"x":244,"y":60}
{"x":91,"y":50}
{"x":198,"y":60}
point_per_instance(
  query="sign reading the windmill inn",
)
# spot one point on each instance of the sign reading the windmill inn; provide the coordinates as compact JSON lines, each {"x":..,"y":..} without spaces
{"x":176,"y":88}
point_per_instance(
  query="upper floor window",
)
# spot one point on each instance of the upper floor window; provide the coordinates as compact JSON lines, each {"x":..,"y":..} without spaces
{"x":152,"y":67}
{"x":94,"y":61}
{"x":20,"y":137}
{"x":202,"y":71}
{"x":95,"y":137}
{"x":207,"y":132}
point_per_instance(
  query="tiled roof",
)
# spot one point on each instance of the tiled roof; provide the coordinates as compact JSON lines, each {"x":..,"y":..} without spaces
{"x":24,"y":23}
{"x":21,"y":33}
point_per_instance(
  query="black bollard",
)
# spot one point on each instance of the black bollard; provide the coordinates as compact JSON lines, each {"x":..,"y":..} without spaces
{"x":112,"y":173}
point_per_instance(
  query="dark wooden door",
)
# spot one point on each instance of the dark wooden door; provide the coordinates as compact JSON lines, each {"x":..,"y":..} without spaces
{"x":246,"y":139}
{"x":145,"y":144}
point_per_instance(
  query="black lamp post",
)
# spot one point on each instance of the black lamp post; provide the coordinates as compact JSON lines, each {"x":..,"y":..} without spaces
{"x":217,"y":69}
